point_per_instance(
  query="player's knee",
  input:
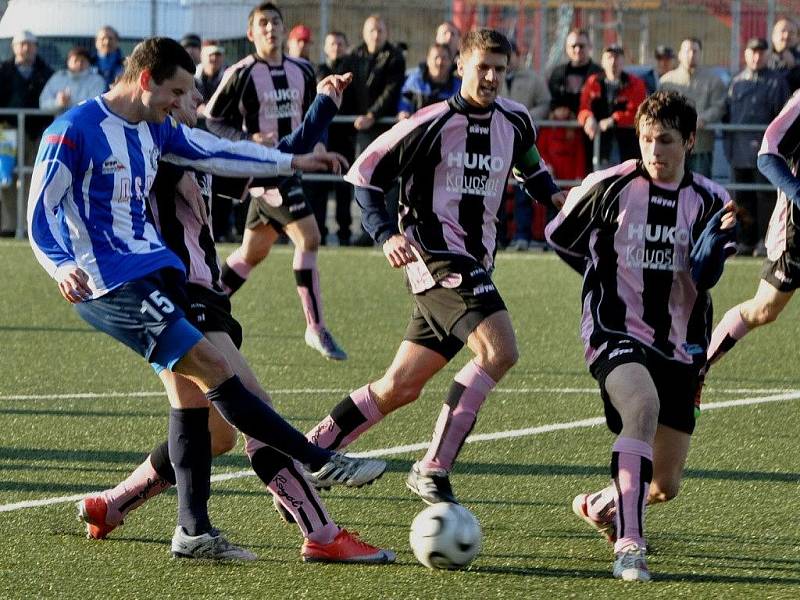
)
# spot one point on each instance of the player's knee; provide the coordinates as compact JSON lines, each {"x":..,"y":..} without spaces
{"x":499,"y":359}
{"x":223,"y":441}
{"x":767,"y":314}
{"x":396,"y":391}
{"x":311,"y":241}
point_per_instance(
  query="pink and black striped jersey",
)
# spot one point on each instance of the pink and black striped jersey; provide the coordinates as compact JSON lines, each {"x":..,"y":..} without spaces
{"x":453,"y":161}
{"x":637,"y":237}
{"x":783,"y":139}
{"x":256,"y":97}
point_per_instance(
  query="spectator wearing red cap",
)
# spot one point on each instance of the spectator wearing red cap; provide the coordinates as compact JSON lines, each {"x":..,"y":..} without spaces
{"x":299,"y":43}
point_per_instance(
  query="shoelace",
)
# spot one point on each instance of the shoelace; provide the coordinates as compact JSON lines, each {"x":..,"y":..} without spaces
{"x":356,"y":539}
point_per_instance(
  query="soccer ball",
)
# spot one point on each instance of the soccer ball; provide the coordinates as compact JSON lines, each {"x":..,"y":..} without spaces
{"x":445,"y":536}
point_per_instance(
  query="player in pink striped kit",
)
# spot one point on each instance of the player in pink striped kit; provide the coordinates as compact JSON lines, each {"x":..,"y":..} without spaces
{"x":650,"y":239}
{"x":778,"y":160}
{"x":453,"y":160}
{"x":263,"y":98}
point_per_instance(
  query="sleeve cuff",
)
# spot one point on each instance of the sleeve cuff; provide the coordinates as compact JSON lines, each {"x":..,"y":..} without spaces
{"x":284,"y":164}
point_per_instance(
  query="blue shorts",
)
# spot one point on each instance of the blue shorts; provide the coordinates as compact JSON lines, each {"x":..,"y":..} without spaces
{"x":148,"y":315}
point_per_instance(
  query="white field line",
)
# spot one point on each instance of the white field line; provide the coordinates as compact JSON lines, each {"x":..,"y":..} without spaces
{"x":481,"y":437}
{"x":296,"y":391}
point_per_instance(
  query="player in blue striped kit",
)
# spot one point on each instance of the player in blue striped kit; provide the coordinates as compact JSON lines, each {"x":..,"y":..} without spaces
{"x":91,"y":230}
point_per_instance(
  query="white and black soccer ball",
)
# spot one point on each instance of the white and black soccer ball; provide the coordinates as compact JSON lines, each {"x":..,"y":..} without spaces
{"x":445,"y":536}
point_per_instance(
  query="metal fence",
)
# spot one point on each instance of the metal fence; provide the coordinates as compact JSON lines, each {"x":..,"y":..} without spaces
{"x":24,"y":166}
{"x":538,"y":26}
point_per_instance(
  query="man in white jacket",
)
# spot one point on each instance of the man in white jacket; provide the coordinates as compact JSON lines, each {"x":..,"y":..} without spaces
{"x":70,"y":86}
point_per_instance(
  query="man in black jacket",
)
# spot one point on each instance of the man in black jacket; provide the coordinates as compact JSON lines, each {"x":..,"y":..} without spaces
{"x":23,"y":77}
{"x":378,"y":69}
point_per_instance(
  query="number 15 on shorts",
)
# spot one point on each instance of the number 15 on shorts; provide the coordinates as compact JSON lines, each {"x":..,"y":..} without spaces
{"x":157,"y":305}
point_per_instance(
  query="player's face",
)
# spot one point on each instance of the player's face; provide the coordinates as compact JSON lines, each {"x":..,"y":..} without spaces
{"x":160,"y":99}
{"x":267,"y":33}
{"x":187,"y":113}
{"x":481,"y":74}
{"x":663,"y":150}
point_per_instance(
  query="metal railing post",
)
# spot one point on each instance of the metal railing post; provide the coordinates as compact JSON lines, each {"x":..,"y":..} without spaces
{"x":21,"y":203}
{"x":596,"y":151}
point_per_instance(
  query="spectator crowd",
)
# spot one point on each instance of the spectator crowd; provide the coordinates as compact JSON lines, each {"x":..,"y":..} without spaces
{"x":602,"y":98}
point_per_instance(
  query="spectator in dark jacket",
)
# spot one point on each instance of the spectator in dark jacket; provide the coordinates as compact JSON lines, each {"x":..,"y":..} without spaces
{"x":566,"y":82}
{"x":431,"y":82}
{"x":608,"y":106}
{"x":785,"y":56}
{"x":755,"y":96}
{"x":107,"y":58}
{"x":22,"y":79}
{"x":378,"y":70}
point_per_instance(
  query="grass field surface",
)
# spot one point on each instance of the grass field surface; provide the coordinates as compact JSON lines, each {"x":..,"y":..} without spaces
{"x":78,"y":411}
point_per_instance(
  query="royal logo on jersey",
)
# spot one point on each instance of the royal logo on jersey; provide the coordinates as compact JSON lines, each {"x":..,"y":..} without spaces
{"x":659,"y":201}
{"x":480,"y":129}
{"x":111,"y":165}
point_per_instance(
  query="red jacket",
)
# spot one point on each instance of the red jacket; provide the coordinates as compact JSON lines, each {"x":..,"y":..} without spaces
{"x":622,"y":108}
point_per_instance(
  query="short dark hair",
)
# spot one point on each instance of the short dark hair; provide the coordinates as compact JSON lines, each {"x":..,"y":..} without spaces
{"x":161,"y":56}
{"x":262,"y":8}
{"x":337,"y":34}
{"x":671,"y":109}
{"x":487,"y":40}
{"x":79,"y":51}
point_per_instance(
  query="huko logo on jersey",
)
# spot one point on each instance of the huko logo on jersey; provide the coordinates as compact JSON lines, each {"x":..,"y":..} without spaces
{"x":665,"y":247}
{"x":474,"y":184}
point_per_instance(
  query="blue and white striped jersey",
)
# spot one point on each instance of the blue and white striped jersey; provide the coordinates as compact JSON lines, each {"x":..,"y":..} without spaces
{"x":91,"y":182}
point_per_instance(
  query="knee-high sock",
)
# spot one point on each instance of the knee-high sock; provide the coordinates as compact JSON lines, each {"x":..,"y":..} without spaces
{"x":601,"y":505}
{"x":235,"y":272}
{"x":145,"y":482}
{"x":283,"y":478}
{"x":306,"y":275}
{"x":632,"y":472}
{"x":348,"y":420}
{"x":190,"y":453}
{"x":728,"y":331}
{"x":253,"y":417}
{"x":470,"y":387}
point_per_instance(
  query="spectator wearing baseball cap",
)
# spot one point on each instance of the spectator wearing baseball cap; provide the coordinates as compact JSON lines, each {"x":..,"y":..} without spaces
{"x":23,"y":77}
{"x":608,"y":104}
{"x":299,"y":42}
{"x":192,"y":43}
{"x":209,"y":72}
{"x":665,"y":59}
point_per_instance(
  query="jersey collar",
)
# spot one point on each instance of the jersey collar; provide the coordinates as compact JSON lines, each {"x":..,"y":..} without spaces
{"x":459,"y":104}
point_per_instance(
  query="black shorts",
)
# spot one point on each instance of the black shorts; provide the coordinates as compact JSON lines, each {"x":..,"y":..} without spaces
{"x":783,"y":274}
{"x":279,"y":206}
{"x":676,"y":383}
{"x":445,"y":315}
{"x":211,"y":311}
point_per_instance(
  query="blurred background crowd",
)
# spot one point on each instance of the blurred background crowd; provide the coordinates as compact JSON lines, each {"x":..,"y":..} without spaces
{"x":581,"y":76}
